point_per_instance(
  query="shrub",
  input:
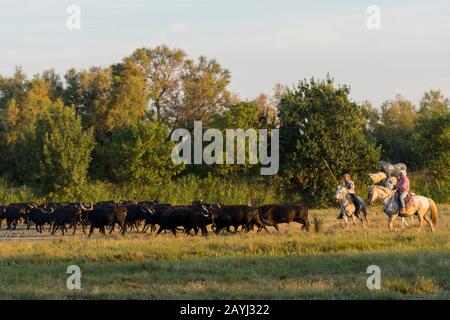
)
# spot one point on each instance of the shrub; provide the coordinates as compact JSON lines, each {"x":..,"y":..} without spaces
{"x":318,"y":224}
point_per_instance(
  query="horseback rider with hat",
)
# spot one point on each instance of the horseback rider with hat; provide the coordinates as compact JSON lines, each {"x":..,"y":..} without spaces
{"x":402,"y":190}
{"x":349,"y":185}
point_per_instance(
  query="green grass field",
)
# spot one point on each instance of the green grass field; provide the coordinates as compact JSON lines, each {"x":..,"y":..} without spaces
{"x":287,"y":265}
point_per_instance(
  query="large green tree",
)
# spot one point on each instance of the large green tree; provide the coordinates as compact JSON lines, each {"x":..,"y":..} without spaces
{"x":128,"y":101}
{"x":107,"y":98}
{"x":398,"y":119}
{"x":322,"y":136}
{"x":162,"y":68}
{"x":204,"y":93}
{"x":18,"y":118}
{"x":56,"y":154}
{"x":89,"y":92}
{"x":181,"y":90}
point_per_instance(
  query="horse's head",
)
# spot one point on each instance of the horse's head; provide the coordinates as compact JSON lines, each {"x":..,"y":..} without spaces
{"x":371,"y":195}
{"x":391,"y":182}
{"x":340,"y":193}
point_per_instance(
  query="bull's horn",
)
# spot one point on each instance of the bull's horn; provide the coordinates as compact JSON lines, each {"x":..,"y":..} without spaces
{"x":207,"y":214}
{"x":46,"y":211}
{"x":86,"y":209}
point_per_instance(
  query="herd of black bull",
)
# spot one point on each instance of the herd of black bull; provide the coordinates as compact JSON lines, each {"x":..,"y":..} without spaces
{"x":129,"y":215}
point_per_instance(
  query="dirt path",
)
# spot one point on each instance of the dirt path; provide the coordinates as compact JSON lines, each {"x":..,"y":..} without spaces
{"x":23,"y":233}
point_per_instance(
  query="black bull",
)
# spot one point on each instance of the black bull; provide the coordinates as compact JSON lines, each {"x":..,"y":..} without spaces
{"x":190,"y":218}
{"x":39,"y":217}
{"x":17,"y":211}
{"x":107,"y":216}
{"x":273,"y":215}
{"x":225,"y":217}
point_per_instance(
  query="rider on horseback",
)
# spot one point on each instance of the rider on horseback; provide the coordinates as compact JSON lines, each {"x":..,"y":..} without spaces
{"x":402,"y":189}
{"x":349,"y":185}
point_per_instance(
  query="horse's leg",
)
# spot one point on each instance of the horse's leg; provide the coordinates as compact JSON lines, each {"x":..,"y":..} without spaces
{"x":361,"y":218}
{"x":364,"y":217}
{"x":365,"y":212}
{"x":354,"y":220}
{"x":404,"y":223}
{"x":392,"y":220}
{"x":346,"y":221}
{"x":412,"y":221}
{"x":427,"y":219}
{"x":421,"y":215}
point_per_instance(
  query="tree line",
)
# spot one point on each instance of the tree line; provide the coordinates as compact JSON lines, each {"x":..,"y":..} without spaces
{"x":113,"y":124}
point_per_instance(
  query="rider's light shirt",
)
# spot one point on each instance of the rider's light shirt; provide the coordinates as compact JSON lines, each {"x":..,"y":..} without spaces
{"x":350,"y":186}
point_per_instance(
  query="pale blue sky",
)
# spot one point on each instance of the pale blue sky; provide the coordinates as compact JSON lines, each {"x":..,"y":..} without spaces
{"x":261,"y":42}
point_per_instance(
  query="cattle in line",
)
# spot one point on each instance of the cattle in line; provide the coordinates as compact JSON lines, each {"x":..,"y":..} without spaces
{"x":16,"y":212}
{"x":129,"y":214}
{"x":225,"y":217}
{"x":189,"y":218}
{"x":102,"y":217}
{"x":71,"y":215}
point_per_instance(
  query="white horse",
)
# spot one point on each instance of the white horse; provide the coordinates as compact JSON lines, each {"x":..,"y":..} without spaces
{"x":390,"y":183}
{"x":391,"y":208}
{"x":348,"y":208}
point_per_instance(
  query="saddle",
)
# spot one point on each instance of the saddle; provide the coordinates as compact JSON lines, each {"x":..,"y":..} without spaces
{"x":409,"y":201}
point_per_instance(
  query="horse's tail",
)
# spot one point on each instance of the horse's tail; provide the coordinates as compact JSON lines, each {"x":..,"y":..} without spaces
{"x":434,"y":211}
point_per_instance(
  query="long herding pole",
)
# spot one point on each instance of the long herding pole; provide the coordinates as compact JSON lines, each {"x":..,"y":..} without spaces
{"x":329,"y":169}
